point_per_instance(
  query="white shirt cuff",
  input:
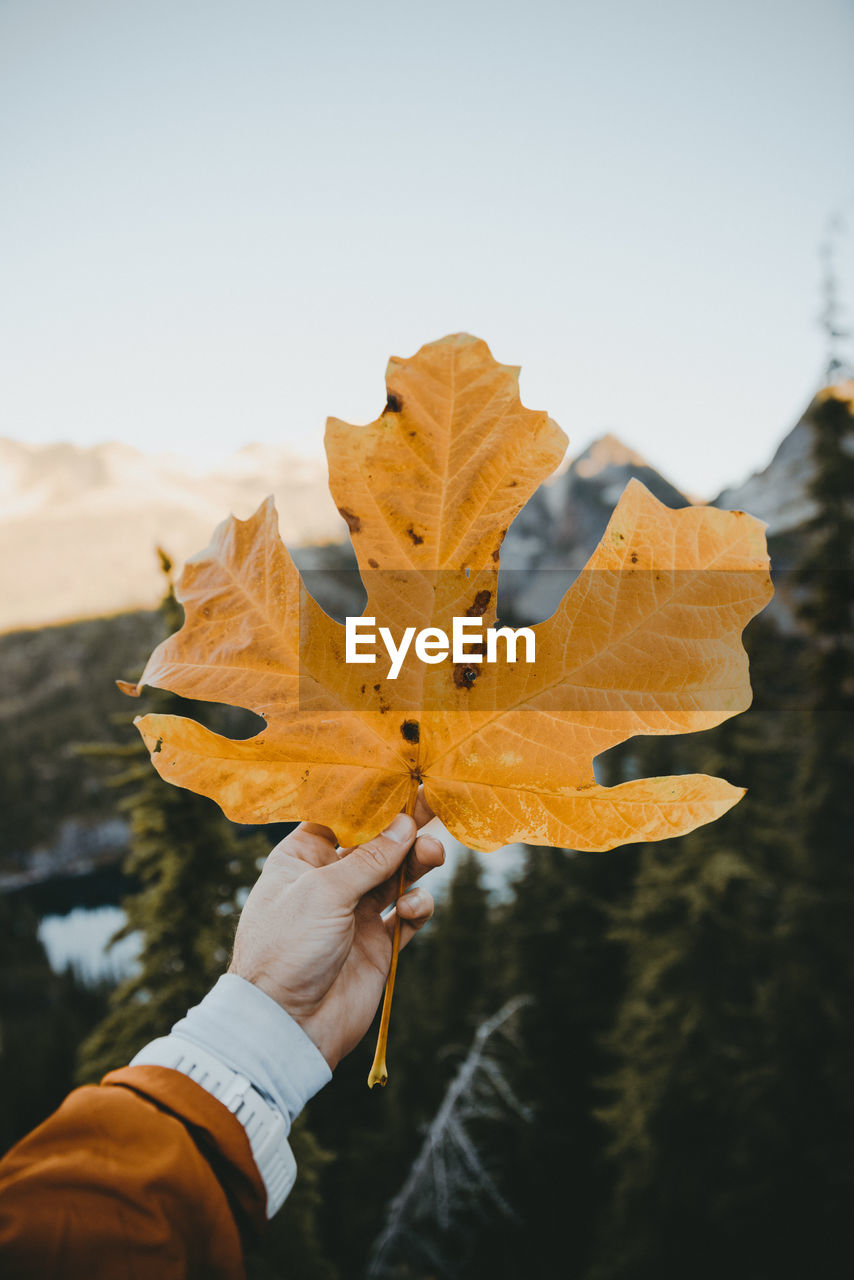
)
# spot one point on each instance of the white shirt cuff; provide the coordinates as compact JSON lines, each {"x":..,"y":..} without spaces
{"x":254,"y":1036}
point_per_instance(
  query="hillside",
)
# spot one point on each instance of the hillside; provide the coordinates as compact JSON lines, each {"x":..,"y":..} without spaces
{"x":77,"y":536}
{"x":79,"y":527}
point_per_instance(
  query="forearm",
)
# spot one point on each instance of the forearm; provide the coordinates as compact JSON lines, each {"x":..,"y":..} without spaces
{"x":157,"y":1171}
{"x":150,"y":1173}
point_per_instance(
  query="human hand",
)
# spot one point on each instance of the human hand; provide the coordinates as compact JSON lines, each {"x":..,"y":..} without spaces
{"x":312,"y":934}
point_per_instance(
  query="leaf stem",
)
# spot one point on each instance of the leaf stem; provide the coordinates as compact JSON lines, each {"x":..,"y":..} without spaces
{"x":378,"y":1074}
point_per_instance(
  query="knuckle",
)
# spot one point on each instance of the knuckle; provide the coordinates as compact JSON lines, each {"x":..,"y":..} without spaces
{"x":420,"y":904}
{"x":374,"y":854}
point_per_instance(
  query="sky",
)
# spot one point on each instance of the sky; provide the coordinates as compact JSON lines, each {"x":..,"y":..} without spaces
{"x":219,"y":218}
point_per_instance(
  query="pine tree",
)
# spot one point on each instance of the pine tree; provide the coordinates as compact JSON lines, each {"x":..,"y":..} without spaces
{"x":556,"y":931}
{"x":697,"y":1136}
{"x":826,"y":576}
{"x":191,"y":866}
{"x":813,"y":997}
{"x":462,"y":986}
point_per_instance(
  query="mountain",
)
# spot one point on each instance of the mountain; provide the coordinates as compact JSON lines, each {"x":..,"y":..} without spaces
{"x":79,"y":527}
{"x":78,"y":531}
{"x":552,"y":539}
{"x":547,"y":544}
{"x":778,"y":494}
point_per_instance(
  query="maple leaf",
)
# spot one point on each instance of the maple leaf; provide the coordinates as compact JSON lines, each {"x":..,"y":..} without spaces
{"x":645,"y":641}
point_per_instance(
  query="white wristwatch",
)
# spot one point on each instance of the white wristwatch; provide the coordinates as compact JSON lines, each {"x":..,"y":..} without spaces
{"x":265,"y":1126}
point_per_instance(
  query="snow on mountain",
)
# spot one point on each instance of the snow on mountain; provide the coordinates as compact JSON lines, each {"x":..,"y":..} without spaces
{"x":79,"y":527}
{"x":778,"y":494}
{"x":607,"y":451}
{"x":552,"y":539}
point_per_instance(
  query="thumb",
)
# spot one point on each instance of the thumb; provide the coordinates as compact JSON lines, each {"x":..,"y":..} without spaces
{"x":372,"y":862}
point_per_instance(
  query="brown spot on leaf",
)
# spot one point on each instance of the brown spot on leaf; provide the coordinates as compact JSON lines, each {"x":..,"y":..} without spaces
{"x":354,"y":522}
{"x":502,"y":534}
{"x":464,"y":675}
{"x":634,"y":557}
{"x":376,"y":688}
{"x":374,"y":564}
{"x":411,"y":730}
{"x":416,"y":537}
{"x":393,"y":404}
{"x":479,"y":605}
{"x":158,"y":746}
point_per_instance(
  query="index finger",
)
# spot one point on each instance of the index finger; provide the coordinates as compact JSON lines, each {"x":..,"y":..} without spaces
{"x":310,"y":843}
{"x":316,"y":829}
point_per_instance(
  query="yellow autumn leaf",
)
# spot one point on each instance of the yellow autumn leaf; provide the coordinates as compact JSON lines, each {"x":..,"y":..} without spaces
{"x":645,"y":641}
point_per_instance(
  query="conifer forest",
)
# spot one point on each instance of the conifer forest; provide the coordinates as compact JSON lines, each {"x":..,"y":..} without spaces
{"x":632,"y":1065}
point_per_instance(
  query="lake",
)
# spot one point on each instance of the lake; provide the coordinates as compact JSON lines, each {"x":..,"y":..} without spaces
{"x":80,"y":915}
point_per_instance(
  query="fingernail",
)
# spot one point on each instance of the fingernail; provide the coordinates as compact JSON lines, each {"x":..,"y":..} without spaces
{"x":415,"y":898}
{"x":400,"y":828}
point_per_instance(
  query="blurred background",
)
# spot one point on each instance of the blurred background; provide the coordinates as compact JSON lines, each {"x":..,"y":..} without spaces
{"x":219,"y":222}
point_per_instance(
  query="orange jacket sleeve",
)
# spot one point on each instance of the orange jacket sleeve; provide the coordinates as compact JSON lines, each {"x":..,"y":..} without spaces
{"x":145,"y":1175}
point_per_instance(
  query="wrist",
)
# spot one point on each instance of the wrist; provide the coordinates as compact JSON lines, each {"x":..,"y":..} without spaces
{"x":309,"y":1014}
{"x":253,"y":1035}
{"x":243,"y":1048}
